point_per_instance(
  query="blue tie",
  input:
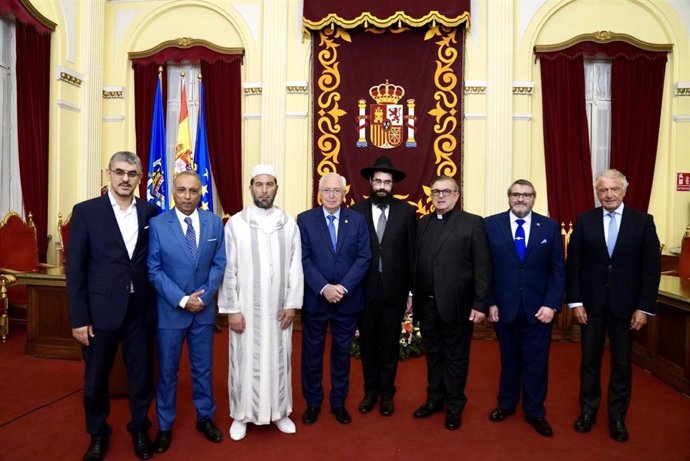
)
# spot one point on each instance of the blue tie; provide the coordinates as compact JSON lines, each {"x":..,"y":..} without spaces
{"x":190,"y":237}
{"x":331,"y":231}
{"x":613,"y":233}
{"x":520,"y":239}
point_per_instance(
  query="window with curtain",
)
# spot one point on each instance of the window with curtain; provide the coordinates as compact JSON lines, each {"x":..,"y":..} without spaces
{"x":598,"y":106}
{"x":191,"y":83}
{"x":10,"y":181}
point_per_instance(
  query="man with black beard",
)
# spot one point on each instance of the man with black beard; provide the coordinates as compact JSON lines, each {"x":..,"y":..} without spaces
{"x":387,"y":284}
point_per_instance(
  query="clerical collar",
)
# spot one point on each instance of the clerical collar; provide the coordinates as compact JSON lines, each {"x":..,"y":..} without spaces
{"x":445,"y":215}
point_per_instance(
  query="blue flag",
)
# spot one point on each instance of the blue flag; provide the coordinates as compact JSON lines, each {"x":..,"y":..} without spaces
{"x":202,"y":164}
{"x":156,"y":186}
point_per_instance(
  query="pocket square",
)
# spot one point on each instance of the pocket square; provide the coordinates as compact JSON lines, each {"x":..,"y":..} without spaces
{"x":146,"y":227}
{"x":543,"y":242}
{"x":212,"y":240}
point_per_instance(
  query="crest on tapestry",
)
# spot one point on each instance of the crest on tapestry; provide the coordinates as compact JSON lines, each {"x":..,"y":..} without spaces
{"x":387,"y":122}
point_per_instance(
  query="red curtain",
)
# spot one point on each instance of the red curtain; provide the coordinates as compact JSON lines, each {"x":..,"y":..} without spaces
{"x":566,"y":138}
{"x":222,"y":90}
{"x":222,"y":84}
{"x":145,"y":81}
{"x":637,"y":86}
{"x":33,"y":93}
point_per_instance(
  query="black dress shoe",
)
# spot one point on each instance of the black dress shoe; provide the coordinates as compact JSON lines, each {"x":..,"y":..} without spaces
{"x":619,"y":432}
{"x":311,"y":415}
{"x":97,"y":448}
{"x":500,"y":413}
{"x":387,"y":408}
{"x":143,"y":447}
{"x":368,"y":403}
{"x":341,"y":415}
{"x":428,"y":409}
{"x":453,"y":421}
{"x":541,"y":425}
{"x":210,"y":431}
{"x":584,"y":422}
{"x":162,"y":441}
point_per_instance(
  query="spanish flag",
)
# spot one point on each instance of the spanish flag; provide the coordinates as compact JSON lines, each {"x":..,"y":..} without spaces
{"x":183,"y":150}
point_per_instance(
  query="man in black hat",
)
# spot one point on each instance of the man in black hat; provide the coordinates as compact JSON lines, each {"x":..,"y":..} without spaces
{"x":387,"y":284}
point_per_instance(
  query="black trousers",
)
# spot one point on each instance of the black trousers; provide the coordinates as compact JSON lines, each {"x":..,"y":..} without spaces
{"x":447,"y":355}
{"x":593,"y":336}
{"x":137,"y":351}
{"x":379,"y":340}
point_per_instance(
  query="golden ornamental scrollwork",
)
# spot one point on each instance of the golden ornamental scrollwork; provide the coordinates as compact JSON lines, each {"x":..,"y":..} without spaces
{"x":329,"y":111}
{"x":116,"y":94}
{"x":71,"y":79}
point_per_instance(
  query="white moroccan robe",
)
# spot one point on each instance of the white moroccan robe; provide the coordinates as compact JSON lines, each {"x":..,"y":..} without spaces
{"x":263,"y":275}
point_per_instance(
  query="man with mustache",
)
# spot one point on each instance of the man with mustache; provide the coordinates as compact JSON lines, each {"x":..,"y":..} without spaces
{"x":387,"y":284}
{"x":111,"y":301}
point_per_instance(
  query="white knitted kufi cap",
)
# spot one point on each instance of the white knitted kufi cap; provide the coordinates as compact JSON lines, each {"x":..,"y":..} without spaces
{"x":263,"y":169}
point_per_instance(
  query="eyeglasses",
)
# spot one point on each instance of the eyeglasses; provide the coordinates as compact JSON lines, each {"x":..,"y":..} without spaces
{"x":441,"y":192}
{"x":335,"y":191}
{"x":132,"y":174}
{"x":521,"y":195}
{"x":378,"y":182}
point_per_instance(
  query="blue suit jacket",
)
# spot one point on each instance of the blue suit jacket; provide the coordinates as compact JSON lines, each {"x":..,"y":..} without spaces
{"x":322,"y":265}
{"x":538,"y":280}
{"x":174,"y":274}
{"x":99,"y":270}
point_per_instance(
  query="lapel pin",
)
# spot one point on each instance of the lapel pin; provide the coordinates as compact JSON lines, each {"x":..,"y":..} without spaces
{"x":346,"y":221}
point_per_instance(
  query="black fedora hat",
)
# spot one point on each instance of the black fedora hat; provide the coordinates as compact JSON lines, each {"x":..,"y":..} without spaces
{"x":384,"y":164}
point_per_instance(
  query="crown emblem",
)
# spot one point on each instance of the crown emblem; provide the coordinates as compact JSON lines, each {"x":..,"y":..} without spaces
{"x":386,"y":93}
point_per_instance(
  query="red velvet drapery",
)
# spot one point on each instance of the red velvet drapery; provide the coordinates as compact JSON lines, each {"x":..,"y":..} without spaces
{"x":33,"y":93}
{"x":222,"y":90}
{"x":222,"y":83}
{"x":145,"y":81}
{"x":566,"y":139}
{"x":637,"y":78}
{"x":637,"y":86}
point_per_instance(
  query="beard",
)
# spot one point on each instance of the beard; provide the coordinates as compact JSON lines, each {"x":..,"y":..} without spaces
{"x":265,"y":204}
{"x":381,"y":199}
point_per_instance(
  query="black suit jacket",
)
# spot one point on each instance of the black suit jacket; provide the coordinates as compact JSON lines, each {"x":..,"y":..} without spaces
{"x":629,"y":279}
{"x":396,"y":251}
{"x":461,"y":266}
{"x":99,"y":270}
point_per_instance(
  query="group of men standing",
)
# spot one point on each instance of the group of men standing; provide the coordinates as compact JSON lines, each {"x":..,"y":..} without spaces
{"x":347,"y":269}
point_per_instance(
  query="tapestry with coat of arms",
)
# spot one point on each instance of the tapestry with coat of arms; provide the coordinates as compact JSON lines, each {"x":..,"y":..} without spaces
{"x":394,"y":91}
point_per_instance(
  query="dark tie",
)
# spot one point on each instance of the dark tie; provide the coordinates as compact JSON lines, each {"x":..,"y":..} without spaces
{"x":331,"y":231}
{"x":380,"y":229}
{"x":190,"y":237}
{"x":520,"y":239}
{"x":613,"y":233}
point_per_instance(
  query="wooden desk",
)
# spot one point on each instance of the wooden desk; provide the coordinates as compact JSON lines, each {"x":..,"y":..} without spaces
{"x":663,"y":346}
{"x":48,"y":333}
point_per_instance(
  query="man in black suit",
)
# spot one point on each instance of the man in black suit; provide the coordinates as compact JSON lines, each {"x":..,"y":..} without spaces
{"x":451,"y":292}
{"x":112,"y":302}
{"x":387,"y":284}
{"x":613,"y":277}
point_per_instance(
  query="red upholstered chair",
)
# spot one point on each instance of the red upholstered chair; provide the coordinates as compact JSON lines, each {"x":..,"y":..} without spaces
{"x":63,"y":232}
{"x":18,"y":252}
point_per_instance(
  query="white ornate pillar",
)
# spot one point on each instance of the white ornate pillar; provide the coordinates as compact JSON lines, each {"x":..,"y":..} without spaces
{"x":273,"y":75}
{"x":91,"y":122}
{"x":499,"y":97}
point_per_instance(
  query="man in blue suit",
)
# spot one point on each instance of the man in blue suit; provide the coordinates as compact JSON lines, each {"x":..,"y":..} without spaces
{"x":112,"y":302}
{"x":528,"y":283}
{"x":186,"y":265}
{"x":335,"y":258}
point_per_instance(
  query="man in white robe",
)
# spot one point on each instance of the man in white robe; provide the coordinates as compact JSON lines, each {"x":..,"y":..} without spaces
{"x":261,"y":291}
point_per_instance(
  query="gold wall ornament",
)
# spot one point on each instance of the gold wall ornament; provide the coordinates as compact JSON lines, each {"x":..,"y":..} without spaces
{"x":113,"y":94}
{"x":6,"y":280}
{"x":71,"y":79}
